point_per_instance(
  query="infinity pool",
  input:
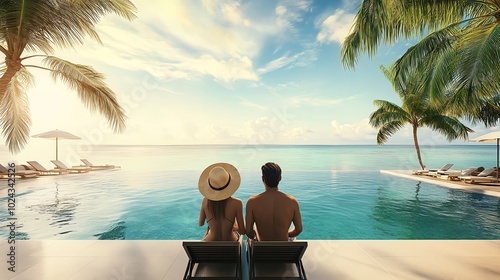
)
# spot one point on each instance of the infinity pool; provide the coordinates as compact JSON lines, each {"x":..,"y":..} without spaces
{"x":151,"y":203}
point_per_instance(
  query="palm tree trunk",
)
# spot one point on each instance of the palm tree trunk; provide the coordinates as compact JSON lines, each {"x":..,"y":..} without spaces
{"x":415,"y":140}
{"x":12,"y":68}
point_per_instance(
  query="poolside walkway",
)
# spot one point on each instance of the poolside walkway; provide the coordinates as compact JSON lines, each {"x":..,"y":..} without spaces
{"x":492,"y":189}
{"x":332,"y":259}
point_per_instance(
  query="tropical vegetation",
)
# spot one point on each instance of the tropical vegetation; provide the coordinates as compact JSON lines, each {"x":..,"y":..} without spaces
{"x":459,"y":46}
{"x":416,"y":110}
{"x":30,"y":29}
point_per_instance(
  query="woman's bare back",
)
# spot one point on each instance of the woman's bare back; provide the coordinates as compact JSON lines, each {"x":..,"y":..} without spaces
{"x":222,"y":229}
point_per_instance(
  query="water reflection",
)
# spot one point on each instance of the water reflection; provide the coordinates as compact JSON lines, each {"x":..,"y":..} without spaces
{"x":477,"y":196}
{"x":61,"y":210}
{"x":459,"y":216}
{"x":116,"y":233}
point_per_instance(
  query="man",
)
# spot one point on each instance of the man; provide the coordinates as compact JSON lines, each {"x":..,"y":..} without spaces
{"x":272,"y":211}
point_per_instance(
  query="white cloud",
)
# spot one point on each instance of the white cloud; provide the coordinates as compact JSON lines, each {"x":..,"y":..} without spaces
{"x":250,"y":104}
{"x":187,"y":40}
{"x":320,"y":102}
{"x":298,"y":133}
{"x":300,"y":59}
{"x":276,"y":64}
{"x":355,"y":132}
{"x":289,"y":12}
{"x":230,"y":11}
{"x":269,"y":130}
{"x":335,"y":27}
{"x":179,"y":40}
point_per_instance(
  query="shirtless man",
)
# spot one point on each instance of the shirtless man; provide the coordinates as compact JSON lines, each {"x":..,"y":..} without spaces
{"x":272,"y":211}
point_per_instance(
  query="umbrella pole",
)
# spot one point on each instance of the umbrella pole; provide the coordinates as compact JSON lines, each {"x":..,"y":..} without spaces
{"x":497,"y":158}
{"x":57,"y":148}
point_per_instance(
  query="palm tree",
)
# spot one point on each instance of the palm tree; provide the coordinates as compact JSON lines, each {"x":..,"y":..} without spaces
{"x":461,"y":47}
{"x":415,"y":110}
{"x":37,"y":26}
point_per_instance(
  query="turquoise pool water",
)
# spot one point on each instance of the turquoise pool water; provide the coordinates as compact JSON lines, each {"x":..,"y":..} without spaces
{"x":340,"y":189}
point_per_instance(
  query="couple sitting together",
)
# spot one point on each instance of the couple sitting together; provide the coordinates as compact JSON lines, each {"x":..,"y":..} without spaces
{"x":272,"y":211}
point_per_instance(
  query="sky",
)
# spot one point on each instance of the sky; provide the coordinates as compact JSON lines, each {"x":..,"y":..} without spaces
{"x":227,"y":72}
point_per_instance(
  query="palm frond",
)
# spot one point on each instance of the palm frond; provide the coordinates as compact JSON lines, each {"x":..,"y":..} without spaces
{"x":388,"y":106}
{"x":440,"y":80}
{"x":91,"y":89}
{"x":386,"y":113}
{"x":388,"y":20}
{"x":477,"y":68}
{"x":39,"y":25}
{"x":486,"y":111}
{"x":434,"y":14}
{"x":474,"y":73}
{"x":123,"y":8}
{"x":387,"y":130}
{"x":390,"y":74}
{"x":366,"y":32}
{"x":423,"y":54}
{"x":14,"y":111}
{"x":450,"y":127}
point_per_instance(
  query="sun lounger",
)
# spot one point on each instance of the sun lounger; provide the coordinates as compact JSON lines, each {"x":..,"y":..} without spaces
{"x":277,"y":260}
{"x":437,"y":173}
{"x":213,"y":260}
{"x":486,"y":176}
{"x":75,"y":169}
{"x":98,"y":167}
{"x":454,"y":174}
{"x":44,"y":171}
{"x":425,"y":171}
{"x":20,"y":172}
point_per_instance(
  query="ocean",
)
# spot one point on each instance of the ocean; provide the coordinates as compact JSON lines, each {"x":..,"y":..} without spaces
{"x":341,"y":192}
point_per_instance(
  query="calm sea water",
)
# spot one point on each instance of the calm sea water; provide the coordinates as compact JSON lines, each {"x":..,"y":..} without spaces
{"x":340,"y":189}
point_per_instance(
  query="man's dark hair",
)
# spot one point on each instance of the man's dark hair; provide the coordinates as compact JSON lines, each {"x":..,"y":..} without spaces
{"x":271,"y":172}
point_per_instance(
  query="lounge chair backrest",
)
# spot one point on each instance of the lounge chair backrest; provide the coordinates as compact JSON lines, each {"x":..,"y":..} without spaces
{"x":446,"y":167}
{"x":19,"y":168}
{"x":486,"y":172}
{"x":270,"y":259}
{"x":279,"y":251}
{"x":468,"y":171}
{"x":37,"y":165}
{"x":86,"y":162}
{"x":219,"y":251}
{"x":213,"y":254}
{"x":3,"y":169}
{"x":59,"y":164}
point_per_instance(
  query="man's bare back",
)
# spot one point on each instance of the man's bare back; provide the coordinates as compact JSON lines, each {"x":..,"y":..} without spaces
{"x":273,"y":212}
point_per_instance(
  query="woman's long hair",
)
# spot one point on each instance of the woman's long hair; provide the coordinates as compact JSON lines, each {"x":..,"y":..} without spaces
{"x":217,"y":208}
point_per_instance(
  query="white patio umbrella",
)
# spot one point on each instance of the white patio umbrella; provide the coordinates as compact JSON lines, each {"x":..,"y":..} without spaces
{"x":493,"y":137}
{"x":57,"y":134}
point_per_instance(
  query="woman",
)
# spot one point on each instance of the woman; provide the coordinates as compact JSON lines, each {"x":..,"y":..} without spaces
{"x":217,"y":184}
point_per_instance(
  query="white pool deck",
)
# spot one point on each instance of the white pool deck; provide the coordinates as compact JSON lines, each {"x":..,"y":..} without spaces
{"x":324,"y":259}
{"x":492,"y":189}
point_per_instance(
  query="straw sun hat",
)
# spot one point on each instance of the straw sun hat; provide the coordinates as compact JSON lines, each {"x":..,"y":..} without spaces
{"x":219,"y":181}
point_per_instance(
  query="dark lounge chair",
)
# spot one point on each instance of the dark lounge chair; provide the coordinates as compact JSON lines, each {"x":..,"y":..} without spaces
{"x":213,"y":260}
{"x":277,"y":260}
{"x":488,"y":175}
